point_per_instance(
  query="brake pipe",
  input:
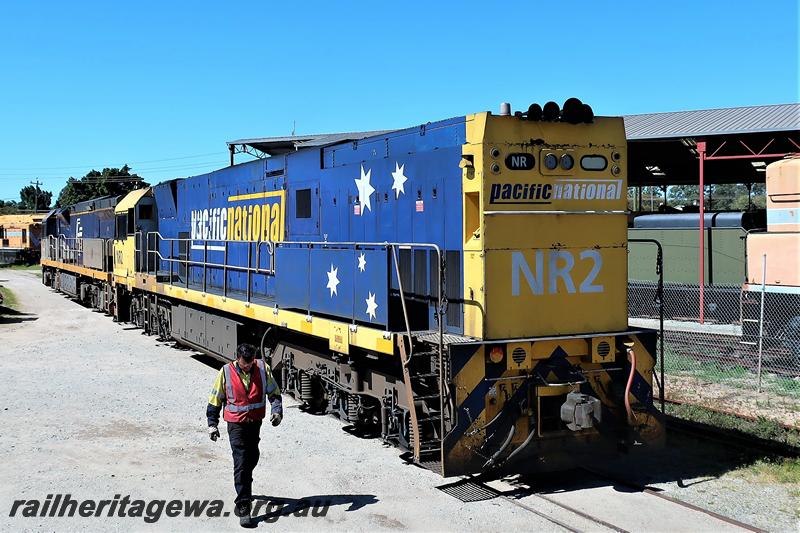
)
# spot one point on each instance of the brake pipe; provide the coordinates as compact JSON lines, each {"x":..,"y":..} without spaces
{"x":632,"y":361}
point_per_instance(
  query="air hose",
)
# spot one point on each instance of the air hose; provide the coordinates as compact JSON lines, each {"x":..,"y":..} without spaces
{"x":502,"y":448}
{"x":632,"y":360}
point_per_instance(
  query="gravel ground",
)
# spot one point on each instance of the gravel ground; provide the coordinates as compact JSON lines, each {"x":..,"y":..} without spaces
{"x":96,"y":409}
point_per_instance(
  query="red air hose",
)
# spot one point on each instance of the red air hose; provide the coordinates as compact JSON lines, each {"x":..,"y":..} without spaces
{"x":632,"y":360}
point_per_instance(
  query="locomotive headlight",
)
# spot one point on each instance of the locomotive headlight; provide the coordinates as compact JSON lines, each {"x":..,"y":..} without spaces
{"x":567,"y":162}
{"x":615,"y":170}
{"x":550,"y":161}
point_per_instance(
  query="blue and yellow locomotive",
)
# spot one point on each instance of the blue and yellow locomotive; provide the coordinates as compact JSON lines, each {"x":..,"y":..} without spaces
{"x":458,"y":287}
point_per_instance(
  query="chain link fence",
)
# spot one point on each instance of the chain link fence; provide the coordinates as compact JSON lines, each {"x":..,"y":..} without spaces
{"x":743,"y":359}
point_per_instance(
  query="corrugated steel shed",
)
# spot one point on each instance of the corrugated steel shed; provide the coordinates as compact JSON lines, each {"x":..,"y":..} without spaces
{"x":705,"y":122}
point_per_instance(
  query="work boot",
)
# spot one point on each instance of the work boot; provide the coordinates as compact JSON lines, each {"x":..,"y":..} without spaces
{"x":243,"y":512}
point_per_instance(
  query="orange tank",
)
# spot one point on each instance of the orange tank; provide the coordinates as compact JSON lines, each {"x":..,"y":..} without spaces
{"x":781,"y":243}
{"x":783,"y":195}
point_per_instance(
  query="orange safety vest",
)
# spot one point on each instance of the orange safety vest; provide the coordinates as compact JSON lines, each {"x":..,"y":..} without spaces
{"x":245,"y":405}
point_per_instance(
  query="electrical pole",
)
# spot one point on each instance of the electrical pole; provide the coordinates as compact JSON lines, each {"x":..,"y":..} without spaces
{"x":36,"y":194}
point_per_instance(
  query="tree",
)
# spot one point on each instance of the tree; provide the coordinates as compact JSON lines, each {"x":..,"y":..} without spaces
{"x":32,"y":198}
{"x":680,"y":195}
{"x":108,"y":182}
{"x":652,"y":197}
{"x":8,"y":207}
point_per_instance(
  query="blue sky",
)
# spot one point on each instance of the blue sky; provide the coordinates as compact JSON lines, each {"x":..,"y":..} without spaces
{"x":162,"y":85}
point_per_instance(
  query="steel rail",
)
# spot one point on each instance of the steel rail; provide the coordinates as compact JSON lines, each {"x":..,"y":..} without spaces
{"x":659,"y":494}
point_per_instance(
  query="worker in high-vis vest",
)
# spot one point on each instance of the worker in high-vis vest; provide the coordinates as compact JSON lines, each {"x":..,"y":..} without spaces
{"x":242,"y":388}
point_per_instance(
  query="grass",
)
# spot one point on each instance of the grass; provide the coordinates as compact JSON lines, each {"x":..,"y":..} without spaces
{"x":35,"y":266}
{"x":762,"y":428}
{"x":9,"y":300}
{"x":775,"y":471}
{"x":783,"y":470}
{"x":730,"y":374}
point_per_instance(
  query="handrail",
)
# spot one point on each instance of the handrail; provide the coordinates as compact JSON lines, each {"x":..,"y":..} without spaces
{"x":403,"y":304}
{"x":271,"y":247}
{"x":557,"y":212}
{"x":71,"y":250}
{"x":259,"y":244}
{"x":660,"y":302}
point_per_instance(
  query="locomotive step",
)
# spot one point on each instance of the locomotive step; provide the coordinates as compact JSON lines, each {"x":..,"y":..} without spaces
{"x":428,"y":375}
{"x":422,"y":354}
{"x":430,"y":450}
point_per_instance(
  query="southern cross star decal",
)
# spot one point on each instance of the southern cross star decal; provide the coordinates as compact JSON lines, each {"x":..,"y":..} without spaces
{"x":365,"y":190}
{"x":362,"y":263}
{"x":333,"y":280}
{"x":399,"y":179}
{"x":371,"y":306}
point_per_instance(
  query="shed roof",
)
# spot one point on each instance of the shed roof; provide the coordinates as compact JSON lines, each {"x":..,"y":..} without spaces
{"x":705,"y":122}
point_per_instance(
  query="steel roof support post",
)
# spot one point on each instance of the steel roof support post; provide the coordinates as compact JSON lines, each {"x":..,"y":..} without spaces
{"x":701,"y":150}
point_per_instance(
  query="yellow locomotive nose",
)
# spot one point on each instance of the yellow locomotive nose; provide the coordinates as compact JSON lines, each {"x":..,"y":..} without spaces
{"x":555,"y":374}
{"x":545,"y":228}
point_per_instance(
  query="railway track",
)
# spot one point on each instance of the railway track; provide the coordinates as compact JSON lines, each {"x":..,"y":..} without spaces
{"x":660,"y":494}
{"x":730,"y":437}
{"x":727,"y":351}
{"x":587,"y":505}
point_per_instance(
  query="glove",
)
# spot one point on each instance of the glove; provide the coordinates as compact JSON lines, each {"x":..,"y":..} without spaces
{"x":213,"y":433}
{"x":276,"y":418}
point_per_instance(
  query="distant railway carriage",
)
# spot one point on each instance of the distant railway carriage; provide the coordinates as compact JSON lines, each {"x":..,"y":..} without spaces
{"x":779,"y":250}
{"x":726,"y":238}
{"x":20,"y":238}
{"x":459,"y":287}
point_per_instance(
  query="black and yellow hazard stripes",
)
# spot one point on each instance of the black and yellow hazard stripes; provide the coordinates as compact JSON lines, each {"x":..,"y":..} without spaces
{"x":508,"y":395}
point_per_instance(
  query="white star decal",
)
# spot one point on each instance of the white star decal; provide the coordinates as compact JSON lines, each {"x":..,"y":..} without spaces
{"x":333,"y":280}
{"x":365,"y":190}
{"x":399,"y":179}
{"x":371,"y":306}
{"x":362,"y":263}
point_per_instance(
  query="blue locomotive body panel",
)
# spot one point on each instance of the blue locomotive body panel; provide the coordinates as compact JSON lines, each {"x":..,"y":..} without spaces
{"x":92,"y":219}
{"x":399,"y":187}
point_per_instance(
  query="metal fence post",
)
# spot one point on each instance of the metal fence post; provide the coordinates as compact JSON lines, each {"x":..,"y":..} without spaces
{"x":761,"y":317}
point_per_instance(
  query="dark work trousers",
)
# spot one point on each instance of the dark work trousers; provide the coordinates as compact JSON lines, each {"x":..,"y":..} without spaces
{"x":244,"y":439}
